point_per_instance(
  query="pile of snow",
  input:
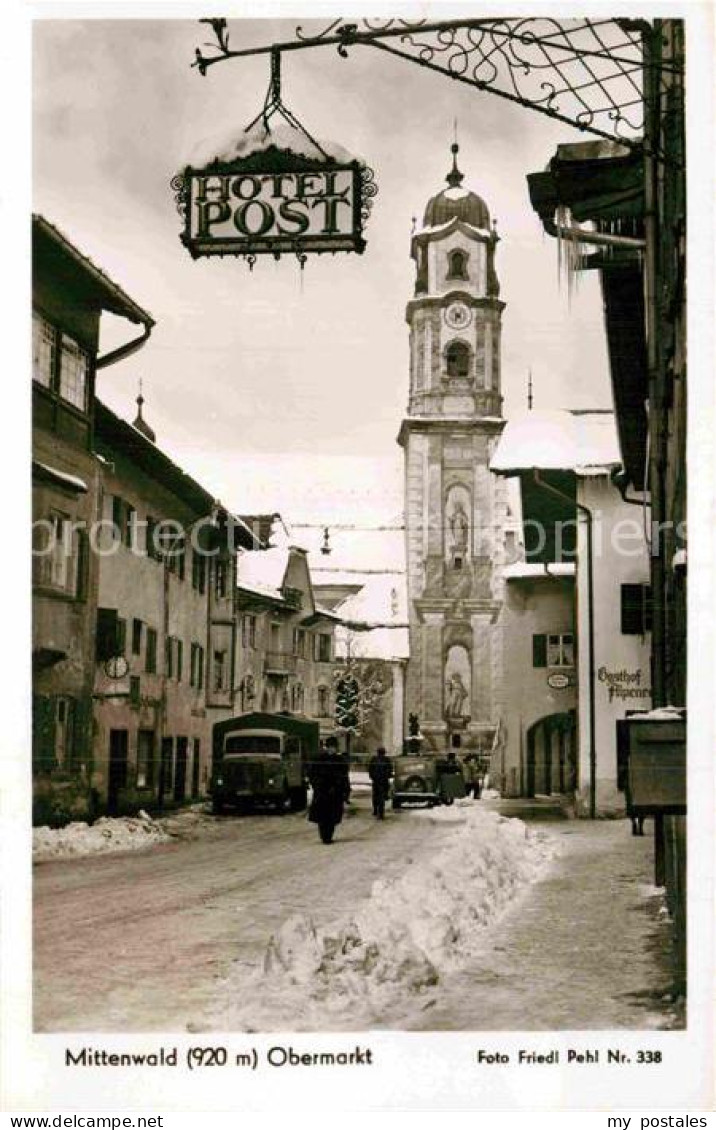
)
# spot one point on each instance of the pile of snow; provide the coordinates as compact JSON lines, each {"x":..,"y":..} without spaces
{"x":121,"y":833}
{"x":235,"y":144}
{"x":127,"y":833}
{"x":392,"y":951}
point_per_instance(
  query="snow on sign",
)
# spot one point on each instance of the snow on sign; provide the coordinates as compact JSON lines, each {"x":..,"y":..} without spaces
{"x":274,"y":201}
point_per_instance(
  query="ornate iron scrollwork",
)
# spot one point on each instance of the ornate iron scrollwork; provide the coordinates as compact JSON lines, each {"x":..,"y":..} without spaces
{"x":587,"y":73}
{"x":369,"y":190}
{"x":179,"y":187}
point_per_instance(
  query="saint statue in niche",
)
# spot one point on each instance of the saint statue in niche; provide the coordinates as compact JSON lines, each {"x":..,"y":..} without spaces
{"x":458,"y":680}
{"x":456,"y":693}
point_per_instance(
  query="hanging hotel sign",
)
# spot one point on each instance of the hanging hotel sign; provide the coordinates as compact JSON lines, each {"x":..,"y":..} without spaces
{"x":274,"y":202}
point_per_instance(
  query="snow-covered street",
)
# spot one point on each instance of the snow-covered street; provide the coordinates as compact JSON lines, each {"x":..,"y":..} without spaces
{"x":453,"y":919}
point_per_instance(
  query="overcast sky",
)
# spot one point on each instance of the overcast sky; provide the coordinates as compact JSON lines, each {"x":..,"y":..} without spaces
{"x":279,"y":389}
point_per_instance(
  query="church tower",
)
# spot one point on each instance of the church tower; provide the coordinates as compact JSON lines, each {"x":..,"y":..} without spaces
{"x":455,"y":508}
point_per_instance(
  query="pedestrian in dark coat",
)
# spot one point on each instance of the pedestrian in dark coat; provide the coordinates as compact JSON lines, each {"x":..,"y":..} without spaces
{"x":380,"y":770}
{"x":328,"y":777}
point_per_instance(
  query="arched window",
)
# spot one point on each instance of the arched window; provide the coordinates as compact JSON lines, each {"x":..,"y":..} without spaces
{"x":458,"y":359}
{"x":297,"y":698}
{"x":457,"y":265}
{"x":322,"y":702}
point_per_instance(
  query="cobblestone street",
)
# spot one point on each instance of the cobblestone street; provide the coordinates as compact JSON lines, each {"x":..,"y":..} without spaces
{"x":587,"y":947}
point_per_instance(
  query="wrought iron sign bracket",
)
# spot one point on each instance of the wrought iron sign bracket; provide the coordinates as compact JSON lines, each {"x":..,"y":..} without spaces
{"x":587,"y":73}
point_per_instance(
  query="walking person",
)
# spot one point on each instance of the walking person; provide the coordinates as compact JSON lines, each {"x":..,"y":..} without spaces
{"x":328,"y":777}
{"x":472,"y":775}
{"x":380,"y":770}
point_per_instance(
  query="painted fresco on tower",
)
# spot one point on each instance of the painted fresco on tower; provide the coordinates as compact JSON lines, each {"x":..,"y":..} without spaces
{"x":458,"y":681}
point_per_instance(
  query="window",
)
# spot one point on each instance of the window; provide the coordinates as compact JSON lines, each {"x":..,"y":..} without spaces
{"x":145,"y":759}
{"x":297,"y":698}
{"x":153,"y":547}
{"x":168,"y":657}
{"x":553,"y":650}
{"x":74,"y":370}
{"x":322,"y":648}
{"x":135,"y":688}
{"x":219,"y":670}
{"x":137,"y":627}
{"x":248,"y":631}
{"x":150,"y":658}
{"x":198,"y":571}
{"x":123,"y":520}
{"x":458,"y":359}
{"x":175,"y":552}
{"x":299,"y":642}
{"x":59,"y":554}
{"x":195,"y":766}
{"x":248,"y":692}
{"x":322,"y":702}
{"x":106,"y":635}
{"x":220,"y":579}
{"x":180,"y":659}
{"x":636,"y":609}
{"x":59,"y":363}
{"x":560,"y":651}
{"x":457,"y":265}
{"x":196,"y":666}
{"x":43,"y":350}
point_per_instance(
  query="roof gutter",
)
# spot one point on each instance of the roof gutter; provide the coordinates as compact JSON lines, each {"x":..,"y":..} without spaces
{"x":595,"y":238}
{"x":126,"y":350}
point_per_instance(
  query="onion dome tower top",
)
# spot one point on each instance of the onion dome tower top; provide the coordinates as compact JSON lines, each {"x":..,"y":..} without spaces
{"x":140,"y":423}
{"x":456,"y":201}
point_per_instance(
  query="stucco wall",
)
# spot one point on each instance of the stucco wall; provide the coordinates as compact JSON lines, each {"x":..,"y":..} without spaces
{"x":622,"y":667}
{"x":532,"y":606}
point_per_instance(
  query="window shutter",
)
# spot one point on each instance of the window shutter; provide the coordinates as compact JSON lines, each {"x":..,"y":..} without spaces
{"x":539,"y":651}
{"x":121,"y":641}
{"x":107,"y":633}
{"x":43,"y":733}
{"x":636,"y":609}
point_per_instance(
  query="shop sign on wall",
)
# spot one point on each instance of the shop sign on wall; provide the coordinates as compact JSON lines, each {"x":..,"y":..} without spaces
{"x":558,"y":681}
{"x":623,"y":684}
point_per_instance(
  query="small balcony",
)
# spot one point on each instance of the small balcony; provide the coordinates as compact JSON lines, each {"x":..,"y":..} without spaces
{"x":279,"y":663}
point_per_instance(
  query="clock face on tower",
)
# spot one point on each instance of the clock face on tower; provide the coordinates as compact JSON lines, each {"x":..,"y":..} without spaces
{"x":458,"y":315}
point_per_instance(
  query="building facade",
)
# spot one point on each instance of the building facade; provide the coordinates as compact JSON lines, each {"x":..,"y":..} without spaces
{"x":166,"y":635}
{"x":70,"y":294}
{"x":577,"y":616}
{"x":455,"y":508}
{"x":286,"y":652}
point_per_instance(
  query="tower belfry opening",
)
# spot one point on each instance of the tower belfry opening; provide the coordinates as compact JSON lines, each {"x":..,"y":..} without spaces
{"x":455,"y":507}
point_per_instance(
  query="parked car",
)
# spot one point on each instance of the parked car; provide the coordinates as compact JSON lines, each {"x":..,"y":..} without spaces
{"x":415,"y":780}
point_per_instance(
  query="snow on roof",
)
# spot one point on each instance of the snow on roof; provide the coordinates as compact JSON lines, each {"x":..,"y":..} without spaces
{"x":679,"y":559}
{"x":376,"y":619}
{"x":659,"y":714}
{"x":263,"y":570}
{"x":61,"y":477}
{"x":455,"y":221}
{"x":237,"y":143}
{"x":584,"y":442}
{"x":524,"y":569}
